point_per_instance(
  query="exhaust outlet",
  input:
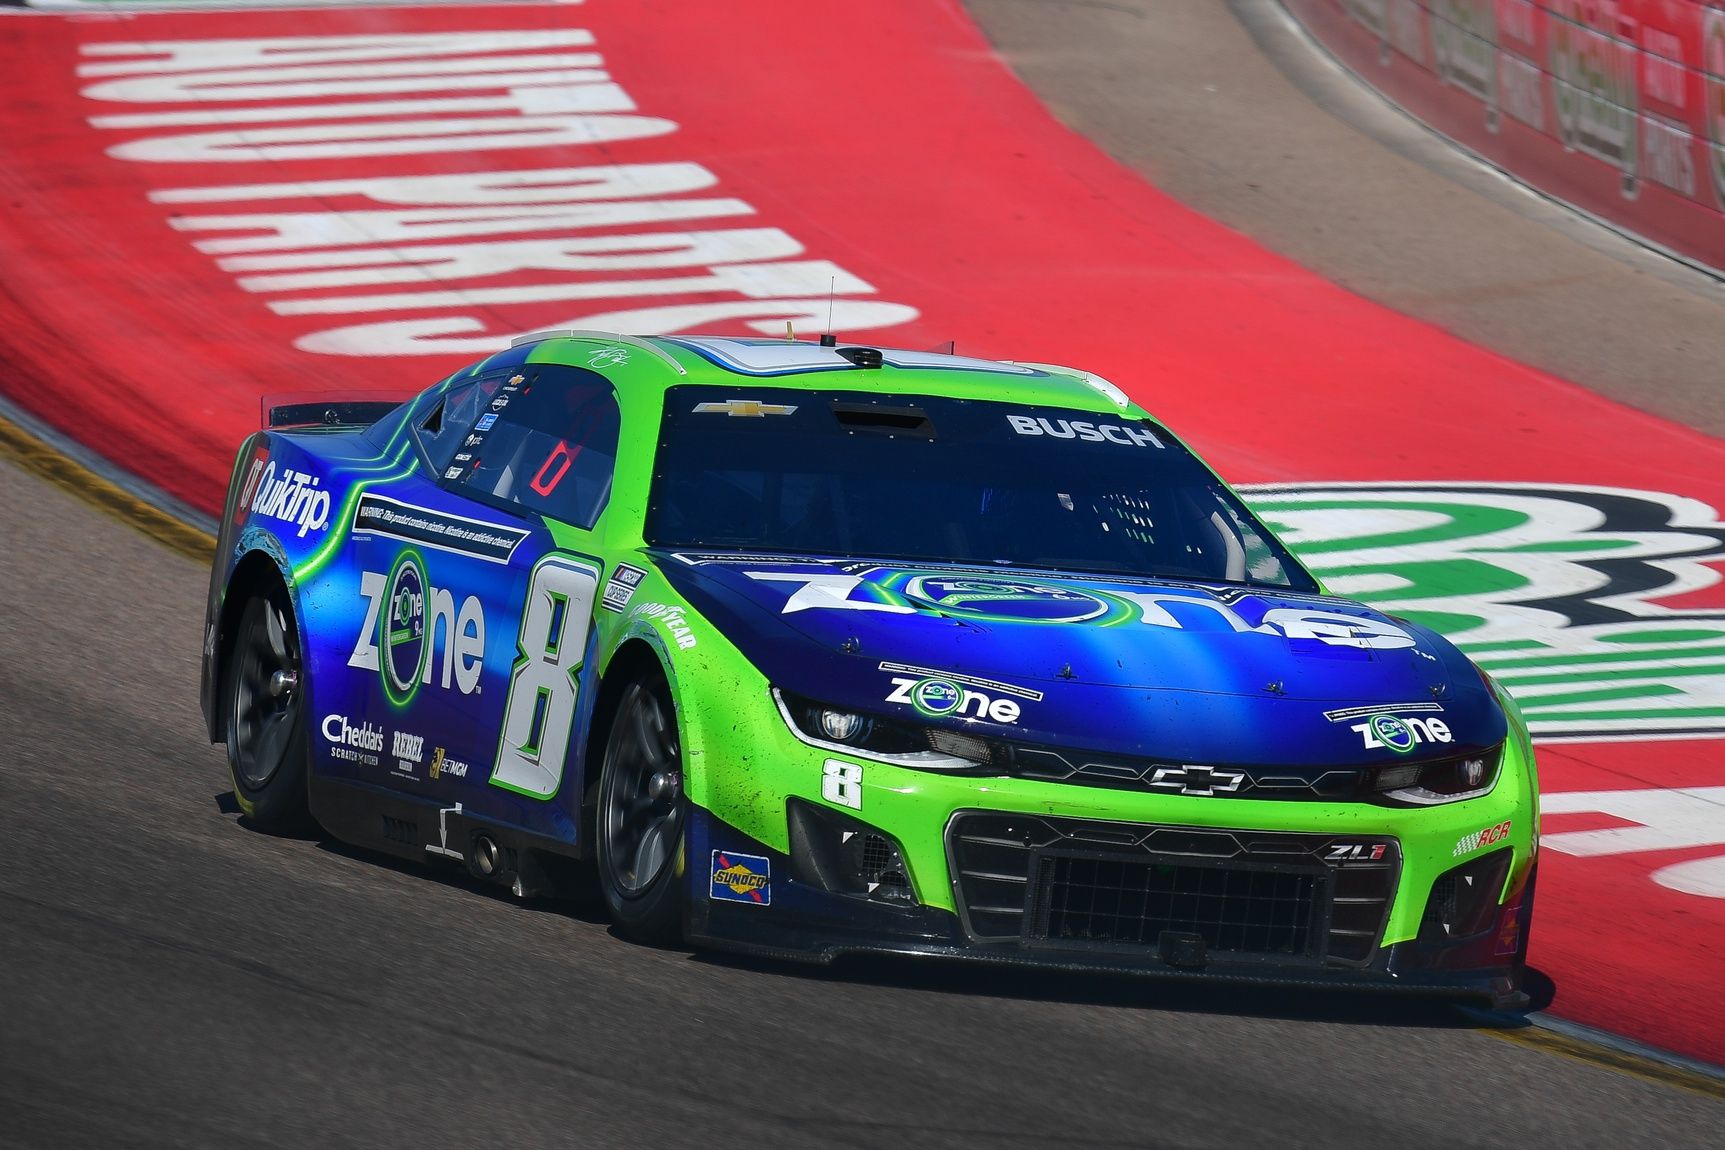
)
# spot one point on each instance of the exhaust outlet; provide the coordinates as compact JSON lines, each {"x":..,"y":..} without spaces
{"x":486,"y":857}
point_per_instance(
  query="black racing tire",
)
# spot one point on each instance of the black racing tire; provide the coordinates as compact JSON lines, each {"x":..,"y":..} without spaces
{"x":642,"y":816}
{"x":264,"y":692}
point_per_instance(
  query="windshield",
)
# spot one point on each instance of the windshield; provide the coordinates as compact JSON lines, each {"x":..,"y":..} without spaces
{"x":920,"y":478}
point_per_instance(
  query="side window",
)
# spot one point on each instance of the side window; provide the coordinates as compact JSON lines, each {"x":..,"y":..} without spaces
{"x":442,"y":429}
{"x":544,"y":439}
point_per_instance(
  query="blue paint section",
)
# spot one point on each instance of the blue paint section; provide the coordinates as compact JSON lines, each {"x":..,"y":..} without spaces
{"x":1211,"y":674}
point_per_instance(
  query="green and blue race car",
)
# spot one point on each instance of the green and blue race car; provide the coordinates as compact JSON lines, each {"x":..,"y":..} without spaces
{"x":816,"y":648}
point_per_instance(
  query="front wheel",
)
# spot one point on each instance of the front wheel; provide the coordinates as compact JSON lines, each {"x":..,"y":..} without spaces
{"x":641,"y":817}
{"x":266,"y":729}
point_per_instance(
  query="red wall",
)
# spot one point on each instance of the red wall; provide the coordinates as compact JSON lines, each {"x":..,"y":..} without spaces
{"x":1617,"y":106}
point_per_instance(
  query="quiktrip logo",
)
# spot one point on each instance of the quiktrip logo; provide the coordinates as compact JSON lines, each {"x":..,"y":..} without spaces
{"x":294,"y":497}
{"x":742,"y":878}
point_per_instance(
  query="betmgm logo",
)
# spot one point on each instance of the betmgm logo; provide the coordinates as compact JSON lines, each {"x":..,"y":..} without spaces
{"x":413,"y":633}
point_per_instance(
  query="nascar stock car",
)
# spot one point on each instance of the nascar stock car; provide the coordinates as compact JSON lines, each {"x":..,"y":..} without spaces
{"x":812,"y":648}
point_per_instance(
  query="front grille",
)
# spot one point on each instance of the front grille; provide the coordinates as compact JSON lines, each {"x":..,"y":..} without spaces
{"x":1245,"y":910}
{"x":1087,"y":882}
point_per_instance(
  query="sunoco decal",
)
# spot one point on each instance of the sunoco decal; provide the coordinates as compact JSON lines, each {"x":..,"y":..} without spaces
{"x":1602,"y":610}
{"x":377,"y":515}
{"x":742,"y":878}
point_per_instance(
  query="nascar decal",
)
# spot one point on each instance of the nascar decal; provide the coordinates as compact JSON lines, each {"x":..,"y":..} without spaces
{"x":742,"y":878}
{"x":378,"y":515}
{"x":993,"y":598}
{"x":620,"y":587}
{"x":1601,"y":610}
{"x":943,"y":694}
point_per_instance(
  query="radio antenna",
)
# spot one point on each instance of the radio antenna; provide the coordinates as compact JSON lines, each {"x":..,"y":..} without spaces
{"x":832,"y":290}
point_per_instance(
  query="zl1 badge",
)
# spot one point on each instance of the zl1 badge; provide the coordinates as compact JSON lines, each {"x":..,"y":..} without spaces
{"x":742,"y":878}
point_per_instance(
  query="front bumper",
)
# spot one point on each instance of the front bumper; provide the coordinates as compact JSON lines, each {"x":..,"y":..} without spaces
{"x":1314,"y":925}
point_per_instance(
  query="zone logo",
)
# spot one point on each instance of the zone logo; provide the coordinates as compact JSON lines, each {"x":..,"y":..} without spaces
{"x":937,"y":698}
{"x":1394,"y":733}
{"x":413,"y":633}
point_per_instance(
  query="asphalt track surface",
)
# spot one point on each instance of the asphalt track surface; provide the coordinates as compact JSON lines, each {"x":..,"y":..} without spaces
{"x":175,"y":978}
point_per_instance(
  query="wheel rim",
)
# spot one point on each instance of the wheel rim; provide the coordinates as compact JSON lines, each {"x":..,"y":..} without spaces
{"x":266,"y":698}
{"x":642,"y":810}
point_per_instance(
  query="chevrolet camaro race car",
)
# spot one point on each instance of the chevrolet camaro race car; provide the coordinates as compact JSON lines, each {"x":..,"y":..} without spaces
{"x":807,"y":649}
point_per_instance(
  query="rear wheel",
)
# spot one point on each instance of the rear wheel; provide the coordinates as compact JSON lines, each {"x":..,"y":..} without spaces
{"x":266,"y":729}
{"x":641,"y":817}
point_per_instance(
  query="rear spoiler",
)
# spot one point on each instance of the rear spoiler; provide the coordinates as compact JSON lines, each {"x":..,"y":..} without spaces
{"x":337,"y":410}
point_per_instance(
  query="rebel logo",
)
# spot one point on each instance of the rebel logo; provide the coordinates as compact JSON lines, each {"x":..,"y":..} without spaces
{"x":414,"y":635}
{"x":409,"y":747}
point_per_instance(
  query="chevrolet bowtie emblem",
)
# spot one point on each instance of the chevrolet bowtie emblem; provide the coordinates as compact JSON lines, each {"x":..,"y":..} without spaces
{"x":1198,"y":780}
{"x":753,"y":407}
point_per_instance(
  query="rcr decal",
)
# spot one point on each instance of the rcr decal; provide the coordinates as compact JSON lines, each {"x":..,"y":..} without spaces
{"x":1121,"y":434}
{"x":1010,"y":600}
{"x":1401,"y":735}
{"x":294,"y":497}
{"x":1467,"y":844}
{"x":943,"y":694}
{"x":413,"y":633}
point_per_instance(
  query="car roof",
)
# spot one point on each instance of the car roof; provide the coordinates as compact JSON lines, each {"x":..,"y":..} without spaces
{"x":668,"y":361}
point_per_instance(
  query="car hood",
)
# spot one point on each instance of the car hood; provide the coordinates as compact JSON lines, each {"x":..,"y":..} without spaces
{"x":1165,"y":669}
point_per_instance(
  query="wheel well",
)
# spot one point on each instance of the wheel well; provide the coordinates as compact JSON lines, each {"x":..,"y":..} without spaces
{"x":255,"y":575}
{"x":633,"y":661}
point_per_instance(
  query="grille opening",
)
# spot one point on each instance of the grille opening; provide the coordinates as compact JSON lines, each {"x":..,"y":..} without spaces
{"x":1233,"y":909}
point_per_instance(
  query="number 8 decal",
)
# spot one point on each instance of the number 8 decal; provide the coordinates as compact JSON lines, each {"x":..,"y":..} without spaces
{"x":540,"y":714}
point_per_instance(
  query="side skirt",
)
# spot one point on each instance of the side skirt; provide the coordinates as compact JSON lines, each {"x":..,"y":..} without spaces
{"x":429,"y":831}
